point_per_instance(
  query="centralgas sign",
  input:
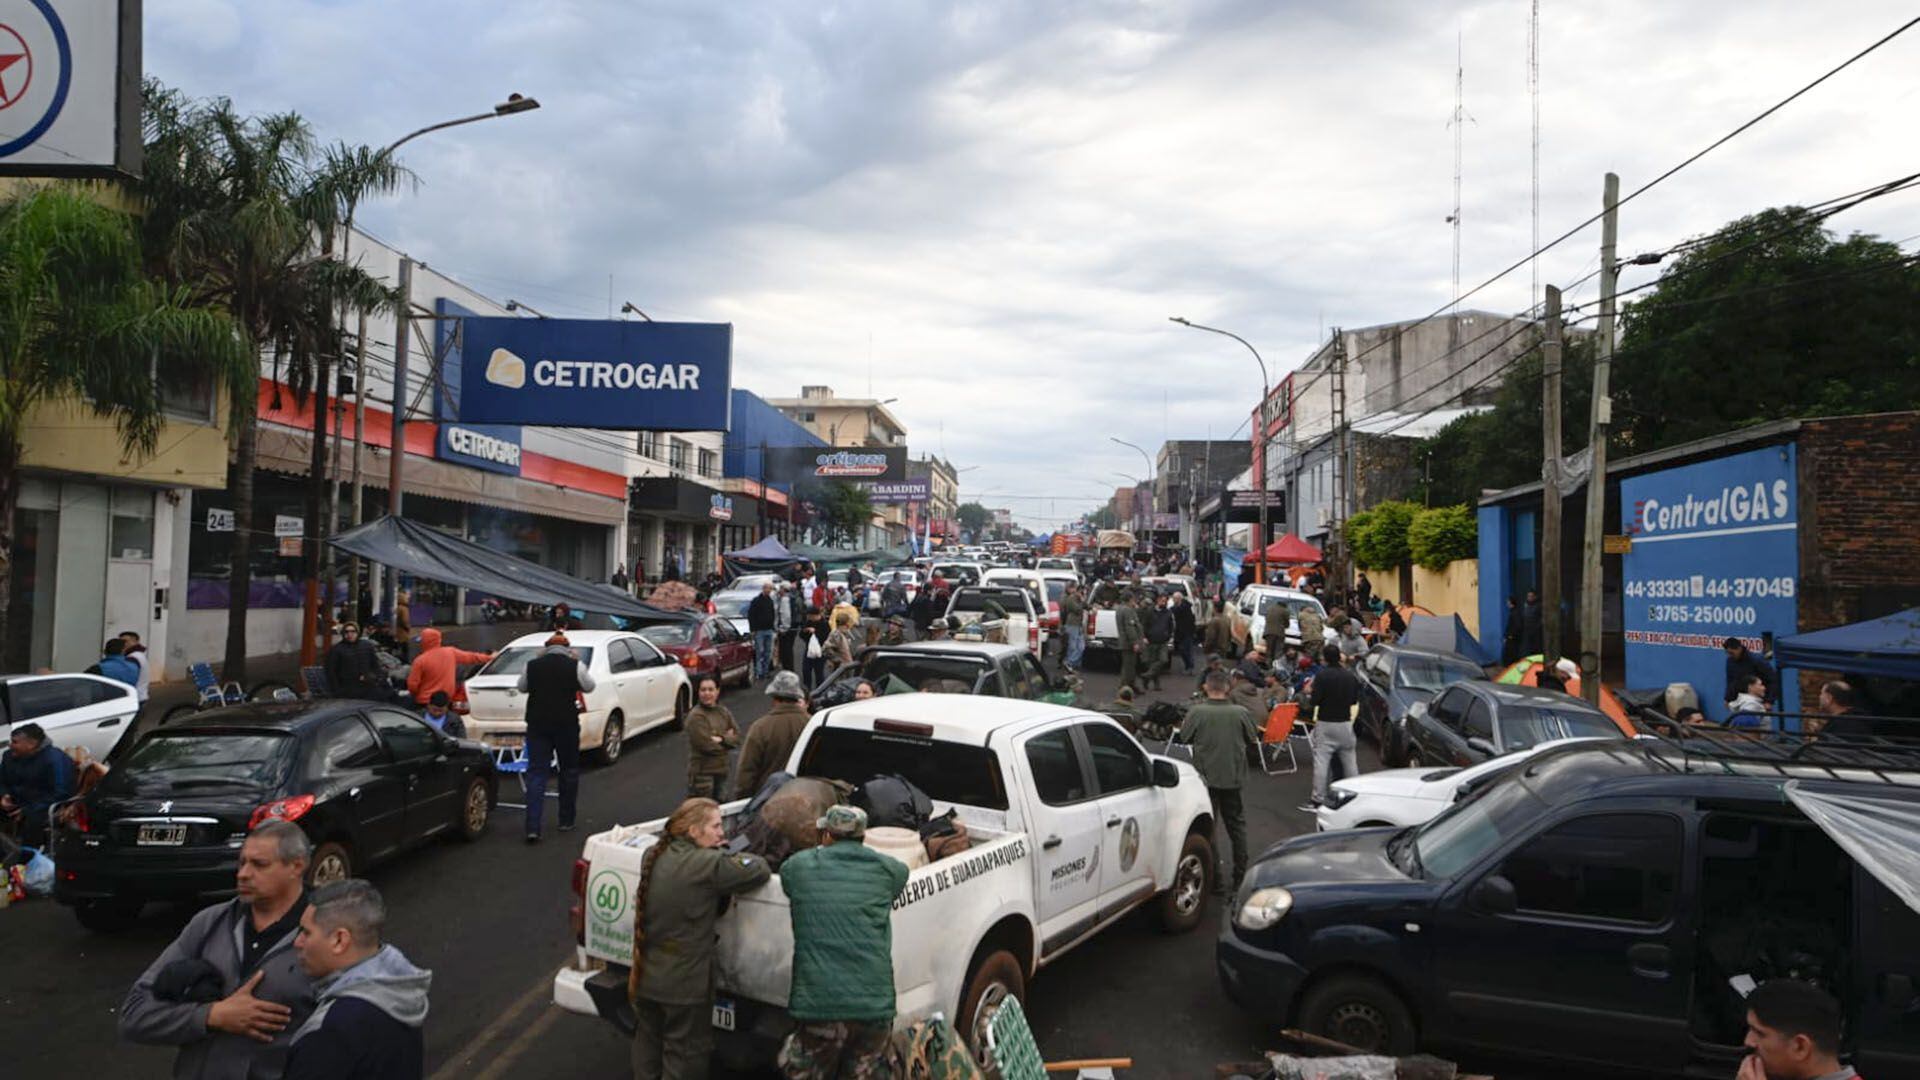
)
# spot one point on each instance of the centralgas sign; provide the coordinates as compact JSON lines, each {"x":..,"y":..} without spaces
{"x":595,"y":373}
{"x":1715,"y":554}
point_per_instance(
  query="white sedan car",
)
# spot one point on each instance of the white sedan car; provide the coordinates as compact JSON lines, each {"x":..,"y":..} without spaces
{"x":1400,"y":797}
{"x":74,"y":710}
{"x":636,"y":687}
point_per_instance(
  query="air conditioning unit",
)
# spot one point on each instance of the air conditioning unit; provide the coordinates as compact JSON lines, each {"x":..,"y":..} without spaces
{"x":1324,"y":518}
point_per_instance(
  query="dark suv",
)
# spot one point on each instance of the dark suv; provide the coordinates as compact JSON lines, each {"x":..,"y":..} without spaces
{"x":363,"y":780}
{"x":1600,"y":905}
{"x":1398,"y":677}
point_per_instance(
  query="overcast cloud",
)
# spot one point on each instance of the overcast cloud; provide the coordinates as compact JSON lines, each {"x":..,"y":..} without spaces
{"x":990,"y":209}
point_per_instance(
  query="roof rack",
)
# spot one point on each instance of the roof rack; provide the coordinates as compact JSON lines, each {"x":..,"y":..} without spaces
{"x":1769,"y":747}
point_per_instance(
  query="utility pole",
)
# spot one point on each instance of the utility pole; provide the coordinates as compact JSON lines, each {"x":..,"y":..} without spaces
{"x":359,"y":449}
{"x":397,"y":453}
{"x":1550,"y":495}
{"x":1591,"y":571}
{"x":1336,"y":538}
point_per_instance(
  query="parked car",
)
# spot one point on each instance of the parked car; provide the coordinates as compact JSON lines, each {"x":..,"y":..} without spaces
{"x":1396,"y":678}
{"x":960,"y":667}
{"x":636,"y":688}
{"x":1598,"y":905}
{"x":1057,"y":562}
{"x":89,"y":711}
{"x":1072,"y":825}
{"x":1469,"y":722}
{"x":708,"y":646}
{"x":968,"y":604}
{"x":365,"y":781}
{"x":732,"y":606}
{"x":1258,"y":602}
{"x":1399,"y":797}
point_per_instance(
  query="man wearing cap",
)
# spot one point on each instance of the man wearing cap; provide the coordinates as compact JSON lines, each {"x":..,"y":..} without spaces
{"x":840,"y":898}
{"x":1220,"y":733}
{"x":771,"y":739}
{"x":553,"y":682}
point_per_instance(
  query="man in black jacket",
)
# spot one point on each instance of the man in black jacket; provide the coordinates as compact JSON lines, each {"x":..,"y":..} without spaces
{"x":1329,"y":703}
{"x":372,"y":1001}
{"x":1184,"y":629}
{"x":1159,"y":635}
{"x":1533,"y":629}
{"x":353,"y":666}
{"x":1743,"y":665}
{"x":553,"y":682}
{"x":34,"y":774}
{"x":762,"y":621}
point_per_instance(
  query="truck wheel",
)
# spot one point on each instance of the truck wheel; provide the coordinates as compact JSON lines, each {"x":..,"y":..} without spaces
{"x":1185,"y":901}
{"x":1360,"y":1011}
{"x":107,"y":916}
{"x":995,"y":978}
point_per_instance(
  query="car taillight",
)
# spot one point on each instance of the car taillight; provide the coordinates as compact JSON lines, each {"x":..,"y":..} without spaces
{"x":579,"y":701}
{"x":292,"y":808}
{"x":690,"y":661}
{"x":577,"y":911}
{"x":81,"y":820}
{"x":461,"y":707}
{"x":1033,"y":638}
{"x":1091,"y":624}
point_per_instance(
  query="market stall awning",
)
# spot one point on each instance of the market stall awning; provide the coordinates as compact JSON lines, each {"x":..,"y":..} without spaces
{"x":831,"y":557}
{"x":1292,"y":549}
{"x":1888,"y":647}
{"x":1880,"y":829}
{"x":413,"y":548}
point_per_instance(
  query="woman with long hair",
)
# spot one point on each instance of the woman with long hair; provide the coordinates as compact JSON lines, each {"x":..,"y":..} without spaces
{"x":683,"y":880}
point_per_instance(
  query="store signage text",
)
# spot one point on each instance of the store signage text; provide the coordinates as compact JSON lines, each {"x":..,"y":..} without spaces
{"x":720,"y":508}
{"x":470,"y":443}
{"x":596,"y":373}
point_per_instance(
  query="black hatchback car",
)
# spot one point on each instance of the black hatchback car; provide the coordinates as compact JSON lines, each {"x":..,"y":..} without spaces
{"x":1469,"y":722}
{"x":1398,"y":677}
{"x":364,"y":780}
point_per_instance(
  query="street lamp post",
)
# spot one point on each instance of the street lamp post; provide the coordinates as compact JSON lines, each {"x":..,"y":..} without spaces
{"x":1148,"y":526}
{"x":1260,"y":476}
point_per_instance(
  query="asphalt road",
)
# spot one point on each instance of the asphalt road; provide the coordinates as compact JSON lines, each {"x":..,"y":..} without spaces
{"x":490,"y":920}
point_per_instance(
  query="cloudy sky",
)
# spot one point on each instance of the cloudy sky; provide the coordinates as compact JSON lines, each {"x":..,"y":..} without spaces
{"x":989,"y":209}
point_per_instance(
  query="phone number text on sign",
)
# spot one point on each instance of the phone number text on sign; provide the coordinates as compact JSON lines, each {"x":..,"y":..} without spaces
{"x":1702,"y":613}
{"x":1699,"y":586}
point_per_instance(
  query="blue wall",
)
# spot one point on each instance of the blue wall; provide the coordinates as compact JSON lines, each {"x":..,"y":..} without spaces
{"x":757,"y":424}
{"x":1496,"y":559}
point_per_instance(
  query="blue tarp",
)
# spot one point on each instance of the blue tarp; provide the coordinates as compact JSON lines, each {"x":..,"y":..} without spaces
{"x":1888,"y":647}
{"x":1447,"y":633}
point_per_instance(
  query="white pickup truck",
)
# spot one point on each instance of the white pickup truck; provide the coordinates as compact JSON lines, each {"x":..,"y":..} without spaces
{"x":1073,"y":825}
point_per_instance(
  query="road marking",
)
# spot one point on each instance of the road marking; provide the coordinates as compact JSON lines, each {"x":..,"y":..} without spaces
{"x":541,"y":993}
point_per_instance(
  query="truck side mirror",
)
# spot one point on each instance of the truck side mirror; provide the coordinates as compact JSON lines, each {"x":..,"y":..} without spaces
{"x":1482,"y":745}
{"x":1494,"y":894}
{"x":1165,"y":773}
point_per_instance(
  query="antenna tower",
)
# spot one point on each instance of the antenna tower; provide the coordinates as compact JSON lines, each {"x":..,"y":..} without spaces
{"x":1533,"y":91}
{"x":1458,"y":124}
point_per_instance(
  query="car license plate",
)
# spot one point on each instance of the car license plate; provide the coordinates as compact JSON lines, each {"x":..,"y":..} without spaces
{"x":723,"y":1014}
{"x":162,"y":835}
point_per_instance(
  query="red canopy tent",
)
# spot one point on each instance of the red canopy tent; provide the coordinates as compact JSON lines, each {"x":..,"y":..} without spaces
{"x":1292,"y":549}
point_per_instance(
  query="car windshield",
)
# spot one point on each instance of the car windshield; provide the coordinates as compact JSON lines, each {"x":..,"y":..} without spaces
{"x":173,"y":760}
{"x":1056,"y":590}
{"x":513,"y":659}
{"x":976,"y":599}
{"x":964,"y":575}
{"x":670,"y":634}
{"x":948,"y":772}
{"x":1523,"y":727}
{"x":901,"y":672}
{"x":1455,"y":840}
{"x":1430,"y":674}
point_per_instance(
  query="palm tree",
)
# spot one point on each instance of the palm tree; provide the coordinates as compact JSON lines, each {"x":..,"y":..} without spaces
{"x":79,"y":319}
{"x":241,"y":211}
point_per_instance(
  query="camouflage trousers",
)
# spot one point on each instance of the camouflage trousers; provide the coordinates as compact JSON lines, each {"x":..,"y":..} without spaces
{"x":837,"y":1050}
{"x":706,"y":785}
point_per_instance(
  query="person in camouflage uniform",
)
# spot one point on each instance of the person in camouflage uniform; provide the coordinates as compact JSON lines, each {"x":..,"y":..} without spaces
{"x":711,"y":732}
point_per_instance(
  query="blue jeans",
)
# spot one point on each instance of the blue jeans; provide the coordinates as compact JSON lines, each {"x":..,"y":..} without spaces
{"x":542,"y":749}
{"x":1076,"y":645}
{"x":762,"y":652}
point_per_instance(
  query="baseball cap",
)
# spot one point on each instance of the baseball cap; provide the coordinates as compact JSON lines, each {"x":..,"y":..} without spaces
{"x":844,"y":822}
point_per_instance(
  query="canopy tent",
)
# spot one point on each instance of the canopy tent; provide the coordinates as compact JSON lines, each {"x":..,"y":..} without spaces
{"x":1448,"y":634}
{"x":831,"y":558}
{"x":412,"y":548}
{"x":1888,"y":647}
{"x":1115,"y":538}
{"x":1292,"y":549}
{"x":769,"y":556}
{"x":1526,"y":672}
{"x":1881,"y":831}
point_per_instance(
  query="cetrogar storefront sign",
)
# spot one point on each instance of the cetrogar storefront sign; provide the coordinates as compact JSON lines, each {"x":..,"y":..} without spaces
{"x":596,"y":373}
{"x":1716,"y":554}
{"x":479,"y":449}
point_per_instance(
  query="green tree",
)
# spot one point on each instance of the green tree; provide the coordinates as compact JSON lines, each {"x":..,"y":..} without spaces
{"x":241,"y":211}
{"x":973,"y":517}
{"x":1443,"y":534}
{"x":847,"y":507}
{"x":79,"y":319}
{"x":1378,"y":537}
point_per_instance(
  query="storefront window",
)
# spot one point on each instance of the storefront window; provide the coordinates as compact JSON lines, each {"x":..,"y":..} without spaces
{"x":30,"y":598}
{"x":132,"y":527}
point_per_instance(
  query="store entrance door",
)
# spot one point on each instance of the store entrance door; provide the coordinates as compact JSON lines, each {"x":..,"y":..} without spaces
{"x":130,"y":596}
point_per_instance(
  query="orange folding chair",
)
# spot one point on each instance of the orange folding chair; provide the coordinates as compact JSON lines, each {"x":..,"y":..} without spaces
{"x":1277,"y":739}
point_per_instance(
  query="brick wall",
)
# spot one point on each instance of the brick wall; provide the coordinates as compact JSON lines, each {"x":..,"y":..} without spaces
{"x":1859,"y":490}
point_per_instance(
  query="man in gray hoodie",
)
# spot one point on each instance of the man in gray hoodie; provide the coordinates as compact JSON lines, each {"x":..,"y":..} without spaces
{"x":228,"y":991}
{"x":373,"y":1001}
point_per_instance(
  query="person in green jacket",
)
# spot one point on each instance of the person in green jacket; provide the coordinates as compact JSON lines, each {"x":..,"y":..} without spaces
{"x":1220,"y":733}
{"x":684,"y":881}
{"x":840,"y":896}
{"x":1126,"y":623}
{"x":711,"y":732}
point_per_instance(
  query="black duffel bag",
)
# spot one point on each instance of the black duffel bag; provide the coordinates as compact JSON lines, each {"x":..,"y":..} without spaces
{"x":891,"y":800}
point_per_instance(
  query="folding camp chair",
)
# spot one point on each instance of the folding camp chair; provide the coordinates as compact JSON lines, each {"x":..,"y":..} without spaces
{"x":1277,"y":737}
{"x":315,"y":679}
{"x":513,"y":761}
{"x":213,"y":693}
{"x":1012,"y":1054}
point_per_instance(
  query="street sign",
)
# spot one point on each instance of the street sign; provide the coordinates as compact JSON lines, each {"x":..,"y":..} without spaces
{"x":69,"y":87}
{"x":219,"y":520}
{"x":285,"y":526}
{"x":596,"y":373}
{"x":1611,"y":544}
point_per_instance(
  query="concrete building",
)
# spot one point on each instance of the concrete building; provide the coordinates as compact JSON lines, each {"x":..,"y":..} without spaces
{"x":760,"y":507}
{"x":943,"y":500}
{"x":1186,"y":472}
{"x":853,"y":422}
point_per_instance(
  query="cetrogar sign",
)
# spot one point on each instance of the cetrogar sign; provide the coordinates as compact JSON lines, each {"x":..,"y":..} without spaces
{"x":595,"y":373}
{"x":1716,"y":554}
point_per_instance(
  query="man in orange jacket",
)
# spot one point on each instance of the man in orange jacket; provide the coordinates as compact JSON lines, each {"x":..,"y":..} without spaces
{"x":437,"y":668}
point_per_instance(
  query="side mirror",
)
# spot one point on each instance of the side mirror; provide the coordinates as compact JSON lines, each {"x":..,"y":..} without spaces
{"x":1165,"y":773}
{"x":1482,"y":745}
{"x":1494,"y":895}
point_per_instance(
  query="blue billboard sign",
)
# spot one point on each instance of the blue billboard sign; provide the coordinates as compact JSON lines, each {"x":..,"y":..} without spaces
{"x":597,"y":373}
{"x":493,"y":447}
{"x":1716,"y":554}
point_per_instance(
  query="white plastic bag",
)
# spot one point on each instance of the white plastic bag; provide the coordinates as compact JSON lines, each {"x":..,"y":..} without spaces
{"x":813,"y":646}
{"x":37,"y":875}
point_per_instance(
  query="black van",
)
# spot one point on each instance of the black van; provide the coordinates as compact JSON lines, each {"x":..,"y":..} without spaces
{"x":1602,"y":905}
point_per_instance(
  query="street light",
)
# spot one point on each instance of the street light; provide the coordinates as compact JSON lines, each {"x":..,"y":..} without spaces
{"x":1261,"y":476}
{"x":1149,"y":482}
{"x":515,"y":305}
{"x":628,"y":306}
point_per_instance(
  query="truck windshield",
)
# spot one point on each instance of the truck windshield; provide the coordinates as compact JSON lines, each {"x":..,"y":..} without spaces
{"x":948,"y":772}
{"x":918,"y":669}
{"x":976,"y":600}
{"x":1457,"y":839}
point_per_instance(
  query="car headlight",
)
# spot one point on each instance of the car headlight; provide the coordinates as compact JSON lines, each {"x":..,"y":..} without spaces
{"x":1338,"y":797}
{"x":1263,"y":908}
